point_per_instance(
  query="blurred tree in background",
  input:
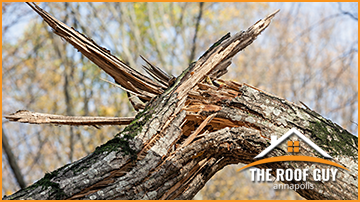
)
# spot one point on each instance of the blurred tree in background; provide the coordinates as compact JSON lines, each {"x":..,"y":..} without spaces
{"x":309,"y":55}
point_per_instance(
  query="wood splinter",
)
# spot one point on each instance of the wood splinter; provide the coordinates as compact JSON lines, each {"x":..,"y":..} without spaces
{"x":25,"y":116}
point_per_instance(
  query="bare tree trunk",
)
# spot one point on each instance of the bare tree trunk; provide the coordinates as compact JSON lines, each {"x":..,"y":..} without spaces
{"x":12,"y":160}
{"x":192,"y":130}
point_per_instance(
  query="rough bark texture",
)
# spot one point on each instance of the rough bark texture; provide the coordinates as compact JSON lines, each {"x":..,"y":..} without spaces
{"x":148,"y":160}
{"x":192,"y":130}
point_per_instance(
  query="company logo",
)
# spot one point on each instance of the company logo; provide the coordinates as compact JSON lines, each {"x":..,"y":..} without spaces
{"x":295,"y":146}
{"x":281,"y":175}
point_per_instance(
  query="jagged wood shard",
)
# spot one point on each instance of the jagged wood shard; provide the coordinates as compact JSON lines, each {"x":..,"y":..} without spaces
{"x":25,"y":116}
{"x":157,"y":72}
{"x":221,"y":53}
{"x":121,"y":72}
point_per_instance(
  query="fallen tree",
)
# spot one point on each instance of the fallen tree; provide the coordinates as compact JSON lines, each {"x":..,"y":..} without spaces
{"x":188,"y":128}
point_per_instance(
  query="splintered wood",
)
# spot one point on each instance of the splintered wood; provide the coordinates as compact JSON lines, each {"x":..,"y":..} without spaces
{"x":204,"y":101}
{"x":127,"y":77}
{"x":25,"y":116}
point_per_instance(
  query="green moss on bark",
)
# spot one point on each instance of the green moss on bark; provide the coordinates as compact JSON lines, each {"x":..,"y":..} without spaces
{"x":121,"y":141}
{"x":338,"y":141}
{"x":46,"y":182}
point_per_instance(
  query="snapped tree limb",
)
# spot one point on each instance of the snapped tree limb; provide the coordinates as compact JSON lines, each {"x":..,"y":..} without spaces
{"x":194,"y":128}
{"x":25,"y":116}
{"x":122,"y":73}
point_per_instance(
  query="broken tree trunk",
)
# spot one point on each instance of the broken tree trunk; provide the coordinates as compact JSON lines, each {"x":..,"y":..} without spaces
{"x":192,"y":129}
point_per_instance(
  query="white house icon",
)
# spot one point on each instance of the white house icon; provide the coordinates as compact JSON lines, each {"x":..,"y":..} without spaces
{"x":275,"y":142}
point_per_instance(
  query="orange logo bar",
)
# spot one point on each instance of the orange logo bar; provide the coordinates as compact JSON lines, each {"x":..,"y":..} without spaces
{"x":293,"y":158}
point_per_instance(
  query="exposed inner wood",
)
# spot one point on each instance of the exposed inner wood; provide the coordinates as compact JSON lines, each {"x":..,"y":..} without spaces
{"x":187,"y":131}
{"x":124,"y":75}
{"x":25,"y":116}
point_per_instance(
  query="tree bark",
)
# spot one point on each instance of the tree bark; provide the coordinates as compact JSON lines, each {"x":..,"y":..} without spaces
{"x":148,"y":160}
{"x":193,"y":129}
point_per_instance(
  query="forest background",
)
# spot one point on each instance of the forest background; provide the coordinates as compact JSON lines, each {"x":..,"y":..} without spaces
{"x":308,"y":54}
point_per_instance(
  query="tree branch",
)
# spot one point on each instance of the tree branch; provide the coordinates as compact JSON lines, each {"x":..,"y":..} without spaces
{"x":25,"y":116}
{"x":347,"y":13}
{"x":122,"y":73}
{"x":197,"y":26}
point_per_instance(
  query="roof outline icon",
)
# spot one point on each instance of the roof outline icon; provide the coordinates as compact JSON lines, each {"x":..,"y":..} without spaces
{"x":275,"y":142}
